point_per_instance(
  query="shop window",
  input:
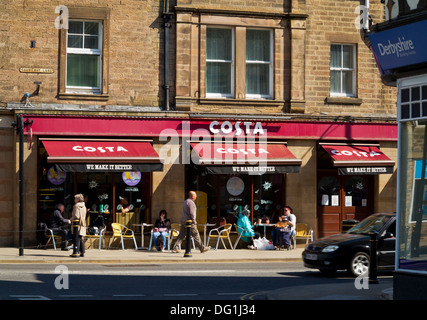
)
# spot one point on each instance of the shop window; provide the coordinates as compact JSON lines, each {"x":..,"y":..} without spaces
{"x":105,"y":194}
{"x":343,"y":70}
{"x":227,"y":195}
{"x":412,"y":195}
{"x":356,"y":192}
{"x":54,"y":187}
{"x":328,"y":192}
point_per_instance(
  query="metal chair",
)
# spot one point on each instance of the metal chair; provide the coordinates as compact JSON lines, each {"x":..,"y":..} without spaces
{"x":303,"y":231}
{"x":98,"y":237}
{"x":240,"y":234}
{"x":222,"y":232}
{"x":51,"y":237}
{"x":124,"y":233}
{"x":173,"y":233}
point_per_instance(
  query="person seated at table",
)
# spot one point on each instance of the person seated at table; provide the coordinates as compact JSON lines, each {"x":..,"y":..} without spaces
{"x":245,"y":229}
{"x":58,"y":225}
{"x":285,"y":227}
{"x":125,"y":206}
{"x":161,"y":230}
{"x":274,"y":232}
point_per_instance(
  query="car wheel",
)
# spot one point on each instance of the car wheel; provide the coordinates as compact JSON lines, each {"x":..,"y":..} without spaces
{"x":359,"y":264}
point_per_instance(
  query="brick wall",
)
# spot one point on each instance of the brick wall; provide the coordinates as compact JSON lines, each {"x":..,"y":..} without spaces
{"x":135,"y":51}
{"x":333,"y":22}
{"x":135,"y":61}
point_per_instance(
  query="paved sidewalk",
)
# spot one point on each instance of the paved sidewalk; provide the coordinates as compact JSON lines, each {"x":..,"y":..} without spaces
{"x":131,"y":256}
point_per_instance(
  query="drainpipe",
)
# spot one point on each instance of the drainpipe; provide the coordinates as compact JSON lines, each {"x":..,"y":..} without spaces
{"x":166,"y":24}
{"x":366,"y":20}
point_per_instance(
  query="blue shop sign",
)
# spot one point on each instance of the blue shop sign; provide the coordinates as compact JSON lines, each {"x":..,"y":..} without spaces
{"x":401,"y":46}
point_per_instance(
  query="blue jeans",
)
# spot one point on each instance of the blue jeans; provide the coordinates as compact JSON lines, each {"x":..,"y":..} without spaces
{"x":163,"y":237}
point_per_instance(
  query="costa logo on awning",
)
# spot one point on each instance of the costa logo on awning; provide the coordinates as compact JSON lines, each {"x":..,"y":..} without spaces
{"x":357,"y":153}
{"x":243,"y":151}
{"x":101,"y":149}
{"x":239,"y":127}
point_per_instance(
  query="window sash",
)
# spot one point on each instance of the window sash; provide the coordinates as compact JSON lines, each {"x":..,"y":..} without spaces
{"x":84,"y":73}
{"x":219,"y":62}
{"x":343,"y":70}
{"x":259,"y":63}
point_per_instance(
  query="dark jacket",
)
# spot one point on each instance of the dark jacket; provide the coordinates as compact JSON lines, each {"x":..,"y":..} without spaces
{"x":163,"y":224}
{"x":56,"y":220}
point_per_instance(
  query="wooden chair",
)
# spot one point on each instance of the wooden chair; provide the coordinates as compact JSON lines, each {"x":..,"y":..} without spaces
{"x":123,"y":232}
{"x":221,"y":233}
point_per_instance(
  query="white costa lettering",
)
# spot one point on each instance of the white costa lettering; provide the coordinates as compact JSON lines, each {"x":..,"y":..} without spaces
{"x":247,"y":151}
{"x":101,"y":149}
{"x":355,"y":152}
{"x":239,"y":128}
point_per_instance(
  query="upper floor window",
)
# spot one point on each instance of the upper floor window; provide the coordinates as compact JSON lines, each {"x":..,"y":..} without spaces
{"x":231,"y":64}
{"x":219,"y":62}
{"x":343,"y":70}
{"x":259,"y":63}
{"x":84,"y":57}
{"x":413,"y":102}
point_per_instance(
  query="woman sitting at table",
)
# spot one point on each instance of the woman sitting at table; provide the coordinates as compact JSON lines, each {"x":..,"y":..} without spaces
{"x":245,"y":229}
{"x":161,"y":230}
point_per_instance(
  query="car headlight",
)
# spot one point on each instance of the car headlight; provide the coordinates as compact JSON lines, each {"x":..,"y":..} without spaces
{"x":330,"y":248}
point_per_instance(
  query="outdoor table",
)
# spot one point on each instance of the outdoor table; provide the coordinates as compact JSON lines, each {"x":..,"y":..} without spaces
{"x":205,"y":225}
{"x":265,"y":225}
{"x":142,"y":225}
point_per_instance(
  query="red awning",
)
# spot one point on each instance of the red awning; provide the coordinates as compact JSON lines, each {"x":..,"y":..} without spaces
{"x":357,"y":155}
{"x":244,"y":157}
{"x":102,"y":155}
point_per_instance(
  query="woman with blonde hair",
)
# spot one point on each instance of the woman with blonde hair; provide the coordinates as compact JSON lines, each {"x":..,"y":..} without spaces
{"x":79,"y":213}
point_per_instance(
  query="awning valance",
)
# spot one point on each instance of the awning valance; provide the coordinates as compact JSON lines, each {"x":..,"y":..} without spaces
{"x":359,"y":159}
{"x":97,"y":155}
{"x":250,"y":158}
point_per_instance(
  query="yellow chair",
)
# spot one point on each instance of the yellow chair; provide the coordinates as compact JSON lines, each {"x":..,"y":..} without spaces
{"x":124,"y":233}
{"x":221,"y":233}
{"x":303,"y":231}
{"x":173,"y":233}
{"x":96,"y":237}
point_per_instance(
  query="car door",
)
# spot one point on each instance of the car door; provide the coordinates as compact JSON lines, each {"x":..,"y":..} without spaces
{"x":387,"y":246}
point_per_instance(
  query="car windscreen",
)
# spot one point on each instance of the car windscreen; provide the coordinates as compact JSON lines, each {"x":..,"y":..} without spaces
{"x":372,"y":223}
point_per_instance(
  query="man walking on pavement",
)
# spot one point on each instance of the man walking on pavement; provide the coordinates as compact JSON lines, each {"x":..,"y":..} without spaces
{"x":189,"y":213}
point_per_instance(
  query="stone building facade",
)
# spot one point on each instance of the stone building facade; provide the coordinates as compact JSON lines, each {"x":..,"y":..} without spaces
{"x":299,"y":72}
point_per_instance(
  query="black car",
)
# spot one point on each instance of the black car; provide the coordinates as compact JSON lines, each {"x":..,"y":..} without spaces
{"x":350,"y":250}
